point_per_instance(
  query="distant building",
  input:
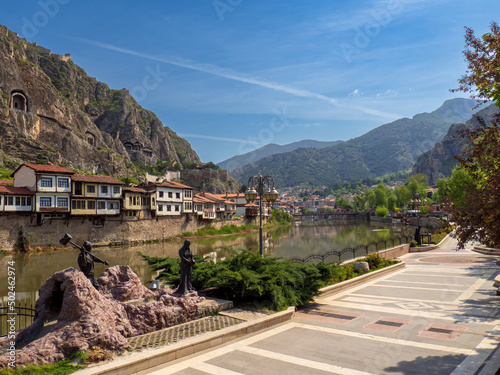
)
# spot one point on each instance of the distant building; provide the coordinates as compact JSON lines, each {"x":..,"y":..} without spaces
{"x":51,"y":186}
{"x":96,"y":195}
{"x":15,"y":199}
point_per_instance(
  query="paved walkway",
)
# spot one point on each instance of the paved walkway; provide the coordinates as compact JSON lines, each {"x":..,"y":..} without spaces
{"x":439,"y":315}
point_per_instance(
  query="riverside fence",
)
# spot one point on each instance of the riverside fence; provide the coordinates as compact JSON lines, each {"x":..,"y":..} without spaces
{"x":16,"y":318}
{"x":356,"y":252}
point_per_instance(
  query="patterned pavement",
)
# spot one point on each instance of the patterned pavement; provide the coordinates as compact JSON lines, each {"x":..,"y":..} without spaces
{"x":438,"y":316}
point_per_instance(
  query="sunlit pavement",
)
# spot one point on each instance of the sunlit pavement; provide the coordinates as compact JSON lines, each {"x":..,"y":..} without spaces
{"x":439,"y":315}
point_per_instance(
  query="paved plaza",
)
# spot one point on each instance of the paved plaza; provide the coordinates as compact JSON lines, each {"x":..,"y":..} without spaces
{"x":439,"y":315}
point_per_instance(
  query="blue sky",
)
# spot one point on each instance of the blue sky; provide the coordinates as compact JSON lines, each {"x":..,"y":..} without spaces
{"x":233,"y":75}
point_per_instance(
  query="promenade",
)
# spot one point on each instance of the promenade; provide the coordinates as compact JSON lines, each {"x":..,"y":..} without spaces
{"x":438,"y":315}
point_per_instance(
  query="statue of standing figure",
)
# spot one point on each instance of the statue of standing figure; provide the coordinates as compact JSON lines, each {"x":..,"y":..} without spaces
{"x":187,"y":262}
{"x":86,"y":263}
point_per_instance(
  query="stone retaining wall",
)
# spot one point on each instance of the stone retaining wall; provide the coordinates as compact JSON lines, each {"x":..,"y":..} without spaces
{"x":112,"y":230}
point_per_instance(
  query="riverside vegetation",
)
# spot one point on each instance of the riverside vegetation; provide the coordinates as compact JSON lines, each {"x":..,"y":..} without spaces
{"x":266,"y":282}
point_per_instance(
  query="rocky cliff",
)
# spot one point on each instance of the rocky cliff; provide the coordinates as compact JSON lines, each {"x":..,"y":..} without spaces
{"x":439,"y":161}
{"x":52,"y":111}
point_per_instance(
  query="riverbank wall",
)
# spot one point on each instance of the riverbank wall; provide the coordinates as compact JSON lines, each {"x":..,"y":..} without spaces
{"x":102,"y":232}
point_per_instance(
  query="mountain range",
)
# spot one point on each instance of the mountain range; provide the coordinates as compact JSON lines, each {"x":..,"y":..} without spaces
{"x":386,"y":149}
{"x":268,"y":150}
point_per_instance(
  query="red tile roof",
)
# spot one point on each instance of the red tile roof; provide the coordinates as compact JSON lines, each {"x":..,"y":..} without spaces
{"x":199,"y":199}
{"x":11,"y":190}
{"x":5,"y":182}
{"x":211,"y":196}
{"x":97,"y":179}
{"x":135,"y":189}
{"x":173,"y":184}
{"x":46,"y":168}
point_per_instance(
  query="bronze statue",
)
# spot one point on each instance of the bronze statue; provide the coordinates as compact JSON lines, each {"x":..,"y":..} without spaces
{"x":86,"y":263}
{"x":187,"y":262}
{"x":417,"y":236}
{"x":86,"y":259}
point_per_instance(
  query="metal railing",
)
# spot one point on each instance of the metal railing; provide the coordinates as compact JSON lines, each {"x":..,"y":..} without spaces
{"x":358,"y":251}
{"x":15,"y":317}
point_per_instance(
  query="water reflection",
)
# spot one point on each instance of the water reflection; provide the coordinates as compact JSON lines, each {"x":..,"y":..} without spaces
{"x":33,"y":269}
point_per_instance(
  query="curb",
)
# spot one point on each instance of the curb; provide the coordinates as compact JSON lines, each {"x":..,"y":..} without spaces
{"x":137,"y":362}
{"x":335,"y":288}
{"x":428,"y":248}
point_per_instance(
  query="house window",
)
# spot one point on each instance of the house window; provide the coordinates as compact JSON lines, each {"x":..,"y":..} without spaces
{"x":160,"y":207}
{"x":169,"y":207}
{"x":187,"y":193}
{"x":91,"y":205}
{"x":112,"y":205}
{"x":46,"y":182}
{"x":170,"y":194}
{"x":176,"y":208}
{"x":130,"y":201}
{"x":18,"y":201}
{"x":104,"y":189}
{"x":160,"y":194}
{"x":101,"y":205}
{"x":63,"y":182}
{"x":188,"y":206}
{"x":116,"y":190}
{"x":91,"y":189}
{"x":62,"y":202}
{"x":135,"y":201}
{"x":1,"y":198}
{"x":45,"y":201}
{"x":178,"y":195}
{"x":77,"y":205}
{"x":10,"y":201}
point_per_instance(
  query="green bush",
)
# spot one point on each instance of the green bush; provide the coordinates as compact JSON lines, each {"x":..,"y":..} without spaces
{"x":375,"y":261}
{"x":281,"y":217}
{"x":381,"y":211}
{"x":247,"y":278}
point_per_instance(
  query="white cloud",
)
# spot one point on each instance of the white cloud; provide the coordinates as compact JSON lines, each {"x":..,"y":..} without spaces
{"x":235,"y":140}
{"x":356,"y":93}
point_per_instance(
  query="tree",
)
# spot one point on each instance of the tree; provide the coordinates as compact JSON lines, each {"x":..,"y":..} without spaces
{"x":442,"y":191}
{"x":482,"y":79}
{"x":475,"y":184}
{"x":344,"y":204}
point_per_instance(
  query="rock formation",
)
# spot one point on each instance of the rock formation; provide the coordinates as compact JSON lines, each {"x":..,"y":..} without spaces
{"x":439,"y":161}
{"x":52,"y":111}
{"x":71,"y":315}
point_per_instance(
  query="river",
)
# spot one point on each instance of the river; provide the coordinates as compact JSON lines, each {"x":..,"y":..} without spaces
{"x":32,"y":269}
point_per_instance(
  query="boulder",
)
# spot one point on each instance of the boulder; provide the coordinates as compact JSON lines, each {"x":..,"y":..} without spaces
{"x":361,"y":267}
{"x":71,"y":315}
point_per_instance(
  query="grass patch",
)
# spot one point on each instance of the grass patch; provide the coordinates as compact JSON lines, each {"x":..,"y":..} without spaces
{"x":66,"y":366}
{"x":226,"y":229}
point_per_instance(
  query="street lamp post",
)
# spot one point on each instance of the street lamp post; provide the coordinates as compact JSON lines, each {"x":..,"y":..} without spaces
{"x":256,"y":185}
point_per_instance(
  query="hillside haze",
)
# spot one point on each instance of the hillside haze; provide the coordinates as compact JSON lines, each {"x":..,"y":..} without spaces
{"x":52,"y":111}
{"x":386,"y":149}
{"x":268,"y":150}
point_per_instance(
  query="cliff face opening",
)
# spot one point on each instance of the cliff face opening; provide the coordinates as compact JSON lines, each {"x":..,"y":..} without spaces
{"x":19,"y":101}
{"x":91,"y":139}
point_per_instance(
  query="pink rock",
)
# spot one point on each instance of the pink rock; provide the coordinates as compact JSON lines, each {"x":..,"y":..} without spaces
{"x":84,"y":317}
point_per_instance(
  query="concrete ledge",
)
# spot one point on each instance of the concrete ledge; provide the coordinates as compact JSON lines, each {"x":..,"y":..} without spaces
{"x":136,"y":362}
{"x":486,"y":250}
{"x":335,"y":288}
